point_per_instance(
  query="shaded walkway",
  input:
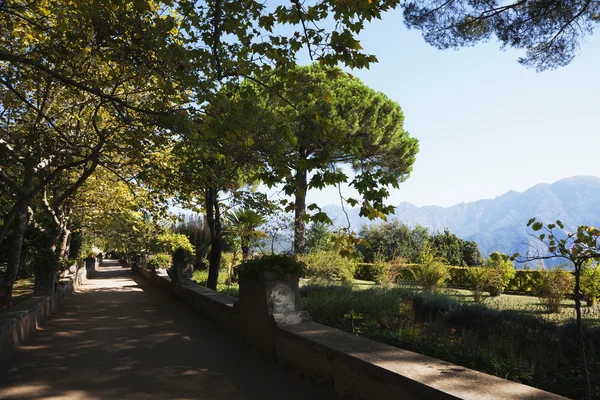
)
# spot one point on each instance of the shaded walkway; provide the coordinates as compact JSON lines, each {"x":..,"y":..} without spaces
{"x":119,"y":338}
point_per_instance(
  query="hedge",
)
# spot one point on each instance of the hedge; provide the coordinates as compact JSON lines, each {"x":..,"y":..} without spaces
{"x":523,"y":282}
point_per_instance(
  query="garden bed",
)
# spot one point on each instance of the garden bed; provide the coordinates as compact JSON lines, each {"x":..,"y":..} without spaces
{"x":507,"y":343}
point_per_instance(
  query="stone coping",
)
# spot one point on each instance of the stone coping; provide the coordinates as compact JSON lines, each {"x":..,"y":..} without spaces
{"x":388,"y":362}
{"x":350,"y":366}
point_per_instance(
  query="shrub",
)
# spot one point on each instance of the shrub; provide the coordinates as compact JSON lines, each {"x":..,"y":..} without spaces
{"x":159,"y":261}
{"x":500,"y":271}
{"x":524,"y":281}
{"x":170,"y":242}
{"x":431,"y":275}
{"x":277,"y":263}
{"x":590,"y":284}
{"x":329,"y":265}
{"x":554,"y":285}
{"x":478,"y":278}
{"x":367,"y":271}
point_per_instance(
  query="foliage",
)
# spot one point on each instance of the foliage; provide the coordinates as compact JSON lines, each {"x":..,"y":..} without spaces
{"x":319,"y":237}
{"x":431,"y":275}
{"x":223,"y":285}
{"x":579,"y":248}
{"x":340,"y":121}
{"x":590,"y":283}
{"x":379,"y":271}
{"x":244,"y":224}
{"x":553,"y":287}
{"x":329,"y":265}
{"x":500,"y":270}
{"x":396,"y":239}
{"x":448,"y":247}
{"x":549,"y":31}
{"x":169,"y":242}
{"x":478,"y":281}
{"x":159,"y":261}
{"x":507,"y":344}
{"x":275,"y":263}
{"x":392,"y":239}
{"x":471,"y":256}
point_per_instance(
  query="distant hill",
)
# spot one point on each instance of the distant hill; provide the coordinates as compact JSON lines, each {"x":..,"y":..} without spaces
{"x":500,"y":224}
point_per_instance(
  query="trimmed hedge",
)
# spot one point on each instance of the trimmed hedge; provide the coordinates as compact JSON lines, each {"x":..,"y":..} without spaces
{"x":524,"y":281}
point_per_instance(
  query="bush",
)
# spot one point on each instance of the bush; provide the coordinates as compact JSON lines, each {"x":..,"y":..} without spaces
{"x":277,"y":263}
{"x":478,"y":281}
{"x":159,"y":261}
{"x":524,"y":281}
{"x":431,"y":275}
{"x":170,"y":242}
{"x":508,"y":344}
{"x":554,"y":285}
{"x":500,"y":271}
{"x":367,"y":271}
{"x":590,"y":284}
{"x":329,"y":265}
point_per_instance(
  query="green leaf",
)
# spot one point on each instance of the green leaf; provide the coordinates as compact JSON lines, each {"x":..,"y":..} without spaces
{"x":560,"y":224}
{"x":531,"y":221}
{"x":537,"y":226}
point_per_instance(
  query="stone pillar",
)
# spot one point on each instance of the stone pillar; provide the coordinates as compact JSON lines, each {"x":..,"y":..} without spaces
{"x":90,"y":266}
{"x":266,"y":302}
{"x":137,"y":263}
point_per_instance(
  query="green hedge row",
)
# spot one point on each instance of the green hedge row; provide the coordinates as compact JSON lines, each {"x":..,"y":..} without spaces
{"x":523,"y":282}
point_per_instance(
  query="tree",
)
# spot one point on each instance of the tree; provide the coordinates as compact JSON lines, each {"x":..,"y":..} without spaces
{"x":578,"y":248}
{"x":471,"y":254}
{"x":550,"y":31}
{"x":323,"y":119}
{"x":319,"y":237}
{"x":392,"y":239}
{"x":448,"y":247}
{"x":244,"y":224}
{"x":74,"y":97}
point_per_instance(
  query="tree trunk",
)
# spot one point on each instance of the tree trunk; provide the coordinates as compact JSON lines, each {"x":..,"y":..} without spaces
{"x":245,"y":250}
{"x":300,"y":212}
{"x":14,"y":257}
{"x":64,"y":246}
{"x":75,"y":245}
{"x":16,"y":245}
{"x":214,"y":223}
{"x":584,"y":368}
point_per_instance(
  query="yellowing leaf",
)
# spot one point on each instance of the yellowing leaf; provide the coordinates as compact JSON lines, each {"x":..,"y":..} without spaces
{"x":328,"y":98}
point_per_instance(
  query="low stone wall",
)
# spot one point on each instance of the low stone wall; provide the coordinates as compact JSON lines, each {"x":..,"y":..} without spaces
{"x":17,"y":325}
{"x":345,"y":365}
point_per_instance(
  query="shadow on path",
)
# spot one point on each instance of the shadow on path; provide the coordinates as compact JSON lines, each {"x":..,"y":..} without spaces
{"x":119,"y":338}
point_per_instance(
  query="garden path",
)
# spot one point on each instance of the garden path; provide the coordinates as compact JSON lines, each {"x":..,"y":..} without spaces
{"x":119,"y":338}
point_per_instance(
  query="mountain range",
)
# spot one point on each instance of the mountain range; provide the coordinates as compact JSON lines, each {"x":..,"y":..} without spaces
{"x":500,"y":224}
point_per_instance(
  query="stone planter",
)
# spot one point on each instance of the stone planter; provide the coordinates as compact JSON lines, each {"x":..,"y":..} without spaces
{"x":266,"y":301}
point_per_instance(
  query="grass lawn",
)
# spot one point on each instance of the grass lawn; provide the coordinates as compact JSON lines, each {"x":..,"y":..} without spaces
{"x":22,"y":290}
{"x":529,"y":305}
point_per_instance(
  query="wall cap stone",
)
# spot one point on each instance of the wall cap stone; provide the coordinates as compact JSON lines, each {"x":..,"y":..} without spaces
{"x":449,"y":379}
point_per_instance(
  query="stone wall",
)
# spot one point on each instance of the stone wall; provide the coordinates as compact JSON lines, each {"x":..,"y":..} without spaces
{"x":345,"y":365}
{"x":17,"y":324}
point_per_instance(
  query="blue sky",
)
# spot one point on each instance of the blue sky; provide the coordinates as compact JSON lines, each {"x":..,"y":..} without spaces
{"x":485,"y":123}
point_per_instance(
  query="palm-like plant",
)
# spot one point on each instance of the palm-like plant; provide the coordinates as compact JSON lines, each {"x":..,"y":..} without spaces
{"x":244,"y":224}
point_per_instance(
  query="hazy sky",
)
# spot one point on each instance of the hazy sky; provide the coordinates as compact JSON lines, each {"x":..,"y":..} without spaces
{"x":485,"y":123}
